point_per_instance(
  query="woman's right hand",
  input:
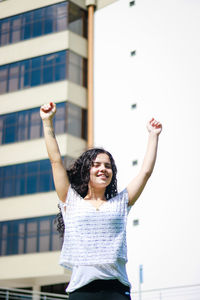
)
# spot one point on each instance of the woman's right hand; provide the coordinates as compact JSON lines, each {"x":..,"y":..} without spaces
{"x":47,"y":111}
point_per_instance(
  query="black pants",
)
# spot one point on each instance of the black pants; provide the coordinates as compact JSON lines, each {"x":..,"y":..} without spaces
{"x":102,"y":290}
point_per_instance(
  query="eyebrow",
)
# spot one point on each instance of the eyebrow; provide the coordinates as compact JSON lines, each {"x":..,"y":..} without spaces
{"x":98,"y":162}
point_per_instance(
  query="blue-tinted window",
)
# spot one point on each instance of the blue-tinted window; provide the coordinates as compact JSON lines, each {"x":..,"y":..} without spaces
{"x":36,"y":71}
{"x":50,"y":17}
{"x":15,"y":29}
{"x":27,"y":178}
{"x":29,"y":236}
{"x":33,"y":72}
{"x":48,"y":68}
{"x":26,"y":28}
{"x":10,"y":128}
{"x":24,"y":77}
{"x":27,"y":124}
{"x":38,"y":22}
{"x":43,"y":69}
{"x":13,"y":77}
{"x":22,"y":126}
{"x":3,"y":79}
{"x":43,"y":21}
{"x":5,"y":31}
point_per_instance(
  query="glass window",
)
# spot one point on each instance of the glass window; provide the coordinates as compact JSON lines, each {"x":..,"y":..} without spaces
{"x":50,"y":15}
{"x":8,"y":188}
{"x":21,"y":236}
{"x":36,"y":71}
{"x":26,"y":125}
{"x":27,"y":178}
{"x":1,"y":129}
{"x":23,"y":126}
{"x":24,"y":74}
{"x":20,"y":179}
{"x":31,"y":239}
{"x":60,"y":66}
{"x":44,"y":182}
{"x":44,"y":242}
{"x":3,"y":79}
{"x":38,"y":22}
{"x":60,"y":118}
{"x":29,"y":236}
{"x":4,"y":235}
{"x":10,"y":128}
{"x":46,"y":20}
{"x":20,"y":185}
{"x":56,"y":241}
{"x":27,"y":20}
{"x":77,"y":20}
{"x":5,"y":32}
{"x":74,"y":119}
{"x":33,"y":167}
{"x":48,"y":70}
{"x":32,"y":177}
{"x":16,"y":29}
{"x":61,"y":20}
{"x":42,"y":70}
{"x":76,"y":69}
{"x":13,"y":83}
{"x":32,"y":184}
{"x":35,"y":124}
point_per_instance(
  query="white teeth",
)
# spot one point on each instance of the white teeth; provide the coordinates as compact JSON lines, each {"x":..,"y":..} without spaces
{"x":102,"y":175}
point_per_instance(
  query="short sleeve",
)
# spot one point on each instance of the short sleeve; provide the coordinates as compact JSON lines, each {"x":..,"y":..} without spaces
{"x":62,"y":205}
{"x":123,"y":195}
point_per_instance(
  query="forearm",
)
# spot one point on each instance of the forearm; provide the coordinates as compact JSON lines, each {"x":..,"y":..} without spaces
{"x":136,"y":186}
{"x":150,"y":155}
{"x":50,"y":141}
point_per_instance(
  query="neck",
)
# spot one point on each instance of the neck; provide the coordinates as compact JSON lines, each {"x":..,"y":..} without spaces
{"x":96,"y":194}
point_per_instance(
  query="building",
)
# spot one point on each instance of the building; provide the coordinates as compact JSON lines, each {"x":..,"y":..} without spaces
{"x":150,"y":53}
{"x":43,"y":58}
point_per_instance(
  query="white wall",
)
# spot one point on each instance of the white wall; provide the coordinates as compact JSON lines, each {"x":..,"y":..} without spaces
{"x":163,"y":79}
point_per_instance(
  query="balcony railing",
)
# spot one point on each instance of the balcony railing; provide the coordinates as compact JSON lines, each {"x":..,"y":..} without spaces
{"x":186,"y":292}
{"x":18,"y":294}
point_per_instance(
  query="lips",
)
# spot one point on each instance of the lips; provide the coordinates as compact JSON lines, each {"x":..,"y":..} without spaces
{"x":103,"y":176}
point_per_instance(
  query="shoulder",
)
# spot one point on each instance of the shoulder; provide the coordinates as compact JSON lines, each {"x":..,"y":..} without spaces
{"x":121,"y":197}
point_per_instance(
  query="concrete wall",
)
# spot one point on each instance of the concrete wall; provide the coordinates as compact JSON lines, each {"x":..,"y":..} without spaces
{"x":163,"y":80}
{"x":32,"y":270}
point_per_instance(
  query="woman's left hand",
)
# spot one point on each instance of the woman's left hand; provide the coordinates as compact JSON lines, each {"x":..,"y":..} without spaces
{"x":154,"y":126}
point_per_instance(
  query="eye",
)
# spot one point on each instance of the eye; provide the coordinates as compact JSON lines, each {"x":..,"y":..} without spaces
{"x":108,"y":166}
{"x":95,"y":164}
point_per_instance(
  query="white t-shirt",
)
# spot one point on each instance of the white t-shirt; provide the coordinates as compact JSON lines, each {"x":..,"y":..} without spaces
{"x":82,"y":275}
{"x":94,"y":244}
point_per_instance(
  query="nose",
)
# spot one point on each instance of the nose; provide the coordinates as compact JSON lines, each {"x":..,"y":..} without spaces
{"x":102,"y":167}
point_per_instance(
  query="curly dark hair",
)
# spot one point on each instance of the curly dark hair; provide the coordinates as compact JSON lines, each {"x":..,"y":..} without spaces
{"x":79,"y":176}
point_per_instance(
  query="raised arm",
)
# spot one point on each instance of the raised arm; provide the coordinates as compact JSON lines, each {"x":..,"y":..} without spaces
{"x":136,"y":186}
{"x":61,"y":181}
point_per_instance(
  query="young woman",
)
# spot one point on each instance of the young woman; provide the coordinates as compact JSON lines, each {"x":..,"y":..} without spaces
{"x":93,"y":215}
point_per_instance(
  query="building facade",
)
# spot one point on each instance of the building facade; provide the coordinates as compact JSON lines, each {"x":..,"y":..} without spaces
{"x":43,"y":58}
{"x":150,"y":68}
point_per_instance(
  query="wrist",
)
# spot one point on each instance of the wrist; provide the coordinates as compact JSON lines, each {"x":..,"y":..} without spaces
{"x":47,"y":122}
{"x":153,"y":134}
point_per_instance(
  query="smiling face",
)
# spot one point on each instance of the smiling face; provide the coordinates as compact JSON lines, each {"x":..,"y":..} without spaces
{"x":101,"y":171}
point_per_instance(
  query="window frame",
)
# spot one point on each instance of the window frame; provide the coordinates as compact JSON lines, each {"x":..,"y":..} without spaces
{"x":13,"y":235}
